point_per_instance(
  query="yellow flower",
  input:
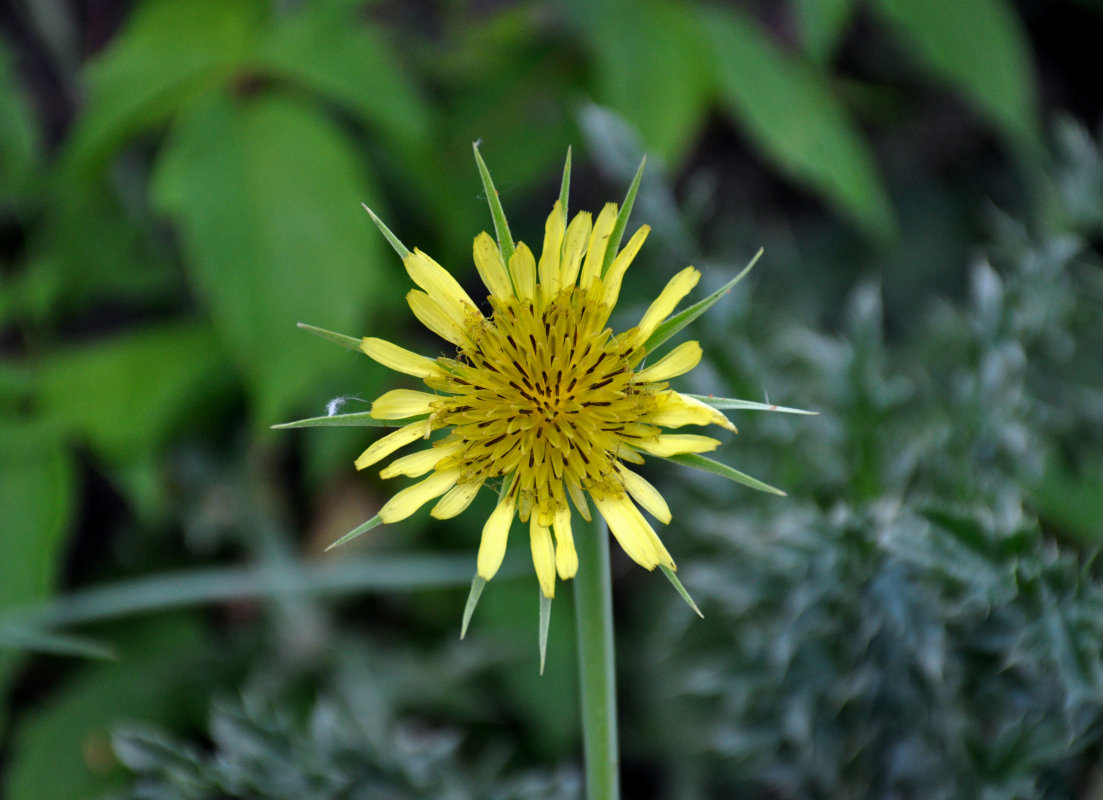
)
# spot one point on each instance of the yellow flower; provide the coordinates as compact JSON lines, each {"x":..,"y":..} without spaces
{"x":543,"y":402}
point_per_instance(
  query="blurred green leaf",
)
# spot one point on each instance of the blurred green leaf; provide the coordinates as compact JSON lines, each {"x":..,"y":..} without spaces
{"x":19,"y":144}
{"x":169,"y":52}
{"x":980,"y":48}
{"x":267,"y":194}
{"x":792,"y":115}
{"x":651,"y":66}
{"x":127,"y":395}
{"x":1072,"y":501}
{"x":335,"y":51}
{"x":36,"y":495}
{"x":62,"y":749}
{"x":36,"y":485}
{"x":822,"y":24}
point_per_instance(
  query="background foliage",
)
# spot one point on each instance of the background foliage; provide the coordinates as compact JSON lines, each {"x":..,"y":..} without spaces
{"x":180,"y":183}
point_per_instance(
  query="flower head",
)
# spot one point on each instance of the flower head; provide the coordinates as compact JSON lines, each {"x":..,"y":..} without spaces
{"x":542,"y":401}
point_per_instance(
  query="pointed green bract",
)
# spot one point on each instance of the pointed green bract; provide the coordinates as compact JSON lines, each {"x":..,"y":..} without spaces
{"x":622,"y":220}
{"x":683,"y":318}
{"x":399,"y":248}
{"x":374,"y":522}
{"x":730,"y":403}
{"x":723,"y":470}
{"x":477,"y":585}
{"x":670,"y":576}
{"x":359,"y":419}
{"x":501,"y":226}
{"x":565,"y":186}
{"x":545,"y":620}
{"x":348,"y":342}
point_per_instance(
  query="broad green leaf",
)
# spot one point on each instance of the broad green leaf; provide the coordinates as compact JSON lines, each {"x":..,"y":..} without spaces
{"x":36,"y":495}
{"x":669,"y":327}
{"x":266,"y":195}
{"x":651,"y":66}
{"x":980,"y":48}
{"x":790,"y":112}
{"x":723,"y":470}
{"x":126,"y":396}
{"x":822,"y":25}
{"x":336,"y":51}
{"x":169,"y":52}
{"x":19,"y":137}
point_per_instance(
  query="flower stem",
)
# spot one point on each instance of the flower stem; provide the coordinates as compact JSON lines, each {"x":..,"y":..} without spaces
{"x":597,"y":663}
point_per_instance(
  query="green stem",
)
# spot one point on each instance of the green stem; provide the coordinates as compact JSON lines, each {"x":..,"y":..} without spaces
{"x":594,"y":619}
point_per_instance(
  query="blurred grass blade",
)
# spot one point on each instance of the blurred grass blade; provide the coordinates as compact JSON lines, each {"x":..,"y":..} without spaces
{"x":477,"y":586}
{"x":359,"y":530}
{"x":730,"y":403}
{"x":226,"y":584}
{"x":723,"y":470}
{"x":622,"y":219}
{"x":670,"y":576}
{"x":393,"y":240}
{"x":683,"y":318}
{"x":348,"y":342}
{"x":20,"y":637}
{"x":545,"y":621}
{"x":360,"y":419}
{"x":501,"y":226}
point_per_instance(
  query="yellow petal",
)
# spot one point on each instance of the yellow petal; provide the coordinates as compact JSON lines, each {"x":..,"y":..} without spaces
{"x":402,"y":403}
{"x":678,"y":287}
{"x":645,"y":494}
{"x":492,"y":547}
{"x":457,"y":499}
{"x":414,"y":497}
{"x":566,"y":558}
{"x":632,"y":531}
{"x":578,"y":233}
{"x":522,"y":266}
{"x":677,"y":409}
{"x":391,"y":442}
{"x":579,"y":500}
{"x":399,"y":358}
{"x":432,"y":316}
{"x":440,"y":285}
{"x":611,"y":283}
{"x":488,"y":261}
{"x":599,"y":243}
{"x":550,"y":255}
{"x":678,"y":361}
{"x":672,"y":444}
{"x":417,"y":464}
{"x":543,"y":556}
